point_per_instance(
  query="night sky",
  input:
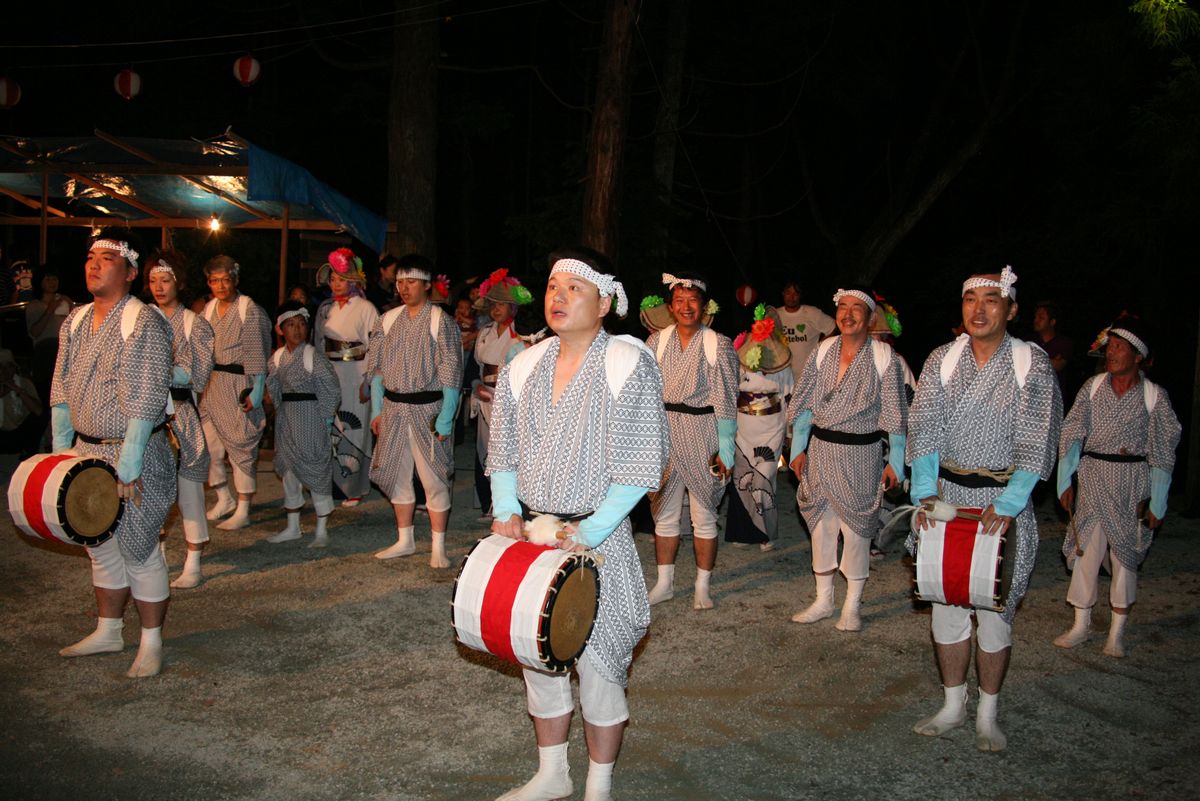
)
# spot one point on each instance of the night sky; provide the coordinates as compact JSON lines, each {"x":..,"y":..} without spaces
{"x":802,"y":124}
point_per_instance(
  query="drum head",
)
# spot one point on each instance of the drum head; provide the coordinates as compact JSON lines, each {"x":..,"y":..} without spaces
{"x":91,"y":507}
{"x":572,"y":613}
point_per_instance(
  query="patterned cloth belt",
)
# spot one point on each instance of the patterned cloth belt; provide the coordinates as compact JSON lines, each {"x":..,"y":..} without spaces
{"x":971,"y":480}
{"x":845,"y":437}
{"x":415,"y":398}
{"x":299,"y":396}
{"x":236,"y":369}
{"x":338,"y":350}
{"x":683,"y":408}
{"x":182,"y":394}
{"x":90,"y":440}
{"x":529,"y":514}
{"x":490,"y":373}
{"x":759,"y":404}
{"x":1116,"y":457}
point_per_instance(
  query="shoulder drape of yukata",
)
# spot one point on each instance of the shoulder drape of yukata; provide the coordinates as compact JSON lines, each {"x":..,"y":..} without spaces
{"x":194,"y":354}
{"x":847,"y":478}
{"x":981,"y":418}
{"x":689,"y":379}
{"x":351,"y":322}
{"x":567,"y":454}
{"x":410,"y":361}
{"x":302,"y":443}
{"x":107,"y":380}
{"x":237,"y":342}
{"x":1110,"y":492}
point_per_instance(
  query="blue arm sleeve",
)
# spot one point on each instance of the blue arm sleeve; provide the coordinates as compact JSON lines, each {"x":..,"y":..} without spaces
{"x":896,"y":445}
{"x":617,"y":504}
{"x":1160,"y":488}
{"x":256,"y":391}
{"x":180,"y":377}
{"x":1067,"y":465}
{"x":504,"y":496}
{"x":328,"y":424}
{"x":1016,"y":494}
{"x":133,"y":449}
{"x":800,"y":431}
{"x":445,"y":419}
{"x":61,"y":428}
{"x":924,"y":477}
{"x":726,"y":431}
{"x":376,"y":396}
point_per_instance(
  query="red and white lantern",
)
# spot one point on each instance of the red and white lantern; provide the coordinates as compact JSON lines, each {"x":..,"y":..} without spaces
{"x":246,"y":70}
{"x":128,"y":84}
{"x":10,"y":93}
{"x":746,"y":295}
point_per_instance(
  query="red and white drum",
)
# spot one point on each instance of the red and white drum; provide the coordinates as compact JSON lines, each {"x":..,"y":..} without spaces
{"x":958,"y":564}
{"x":65,"y":497}
{"x":530,"y":604}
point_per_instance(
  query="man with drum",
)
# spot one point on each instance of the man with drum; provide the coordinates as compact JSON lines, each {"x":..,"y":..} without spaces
{"x":1120,"y":436}
{"x":579,"y":431}
{"x":700,"y":387}
{"x":416,"y":363}
{"x":231,"y":406}
{"x":849,"y":395}
{"x":985,"y":420}
{"x":108,"y":398}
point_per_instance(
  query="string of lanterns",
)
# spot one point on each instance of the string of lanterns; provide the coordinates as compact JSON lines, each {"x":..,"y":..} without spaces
{"x":128,"y":82}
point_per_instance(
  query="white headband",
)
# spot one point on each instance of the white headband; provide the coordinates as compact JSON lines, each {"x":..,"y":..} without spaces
{"x":413,"y":272}
{"x":121,"y":247}
{"x":287,"y":315}
{"x":1005,"y":284}
{"x":607,"y":284}
{"x":854,"y":293}
{"x":161,"y":266}
{"x":671,"y":282}
{"x":1132,"y":339}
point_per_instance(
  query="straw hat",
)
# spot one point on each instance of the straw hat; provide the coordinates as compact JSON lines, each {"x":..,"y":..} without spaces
{"x":343,"y":262}
{"x":439,"y":290}
{"x":763,"y":348}
{"x":885,"y":319}
{"x":656,"y":315}
{"x":500,"y":287}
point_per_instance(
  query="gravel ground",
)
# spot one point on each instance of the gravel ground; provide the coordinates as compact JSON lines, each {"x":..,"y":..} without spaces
{"x":299,"y":674}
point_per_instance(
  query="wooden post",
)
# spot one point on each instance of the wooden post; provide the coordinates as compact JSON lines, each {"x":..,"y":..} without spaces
{"x":43,"y":253}
{"x":283,"y":251}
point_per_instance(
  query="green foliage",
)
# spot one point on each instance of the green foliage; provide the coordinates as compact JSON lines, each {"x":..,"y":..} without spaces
{"x":1166,"y":22}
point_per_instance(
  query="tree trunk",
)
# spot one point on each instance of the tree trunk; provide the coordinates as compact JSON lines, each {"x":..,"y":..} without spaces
{"x":607,"y":140}
{"x":666,"y":125}
{"x":413,"y":136}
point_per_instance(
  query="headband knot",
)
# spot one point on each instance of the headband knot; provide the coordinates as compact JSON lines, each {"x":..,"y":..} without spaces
{"x":670,"y":282}
{"x":1005,"y":284}
{"x":121,"y":247}
{"x":858,"y":294}
{"x":290,"y":313}
{"x":607,"y":284}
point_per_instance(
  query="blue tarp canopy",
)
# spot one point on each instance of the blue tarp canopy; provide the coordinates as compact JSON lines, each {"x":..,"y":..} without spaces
{"x":165,"y":183}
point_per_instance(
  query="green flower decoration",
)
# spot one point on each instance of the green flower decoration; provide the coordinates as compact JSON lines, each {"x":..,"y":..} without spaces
{"x":711,"y":308}
{"x":760,"y":311}
{"x":753,"y":358}
{"x":651,"y":301}
{"x":521,"y":295}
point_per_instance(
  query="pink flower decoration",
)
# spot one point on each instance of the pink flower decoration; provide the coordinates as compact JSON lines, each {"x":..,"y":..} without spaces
{"x":737,"y":343}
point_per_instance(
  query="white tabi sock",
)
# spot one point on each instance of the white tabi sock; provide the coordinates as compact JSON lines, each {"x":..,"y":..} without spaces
{"x":599,"y":782}
{"x":321,"y":538}
{"x":403,"y":546}
{"x":850,"y":619}
{"x":292,"y":532}
{"x":1113,"y":646}
{"x":988,"y":736}
{"x":552,"y":780}
{"x":664,"y":588}
{"x":190,"y":576}
{"x":437,"y":555}
{"x":952,"y":714}
{"x":240,"y":518}
{"x":822,"y":607}
{"x":148,"y":661}
{"x":224,"y":504}
{"x":702,"y":599}
{"x":106,"y":639}
{"x":1079,"y":629}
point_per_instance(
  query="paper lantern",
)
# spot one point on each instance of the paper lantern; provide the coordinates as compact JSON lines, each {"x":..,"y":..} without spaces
{"x":246,"y":70}
{"x":10,"y":93}
{"x":746,"y":295}
{"x":128,"y":84}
